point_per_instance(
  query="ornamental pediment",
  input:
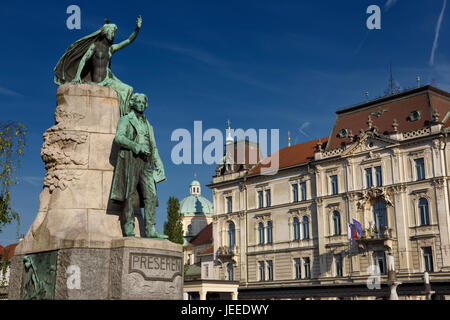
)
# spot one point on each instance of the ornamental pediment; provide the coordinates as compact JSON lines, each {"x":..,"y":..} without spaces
{"x":369,"y":142}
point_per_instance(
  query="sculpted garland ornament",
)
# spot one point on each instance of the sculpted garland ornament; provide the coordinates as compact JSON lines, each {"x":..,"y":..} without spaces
{"x":372,"y":195}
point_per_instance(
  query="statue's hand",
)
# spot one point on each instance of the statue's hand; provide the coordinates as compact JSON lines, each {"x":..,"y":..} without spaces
{"x":139,"y":22}
{"x":145,"y":149}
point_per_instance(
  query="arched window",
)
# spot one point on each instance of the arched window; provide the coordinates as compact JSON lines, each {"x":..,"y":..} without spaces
{"x":296,"y":226}
{"x":260,"y":233}
{"x":269,"y":232}
{"x":231,"y":235}
{"x":424,"y":212}
{"x":336,"y":223}
{"x":380,"y":217}
{"x":190,"y":230}
{"x":305,"y":223}
{"x":230,"y":271}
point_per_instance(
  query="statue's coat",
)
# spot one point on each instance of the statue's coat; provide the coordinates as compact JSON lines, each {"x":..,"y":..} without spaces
{"x":125,"y":137}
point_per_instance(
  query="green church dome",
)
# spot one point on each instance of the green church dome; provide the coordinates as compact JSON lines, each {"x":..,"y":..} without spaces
{"x":195,"y":203}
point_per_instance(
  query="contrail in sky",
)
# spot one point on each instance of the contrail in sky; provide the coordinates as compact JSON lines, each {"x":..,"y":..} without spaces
{"x":436,"y":35}
{"x":389,"y":4}
{"x":303,"y":127}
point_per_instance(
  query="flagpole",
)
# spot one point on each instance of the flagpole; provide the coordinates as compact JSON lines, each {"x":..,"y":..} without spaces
{"x":350,"y":237}
{"x":350,"y":255}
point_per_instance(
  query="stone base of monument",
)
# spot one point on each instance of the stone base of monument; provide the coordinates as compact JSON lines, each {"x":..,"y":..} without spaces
{"x":75,"y":248}
{"x":133,"y":268}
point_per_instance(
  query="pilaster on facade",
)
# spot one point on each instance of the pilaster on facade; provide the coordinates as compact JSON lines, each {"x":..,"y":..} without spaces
{"x":443,"y":210}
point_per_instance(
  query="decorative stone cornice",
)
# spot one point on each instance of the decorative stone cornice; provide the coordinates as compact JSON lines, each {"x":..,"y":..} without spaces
{"x":241,"y":214}
{"x":318,"y":201}
{"x":399,"y":188}
{"x":439,"y":183}
{"x":333,"y":206}
{"x":352,"y":196}
{"x":263,"y":216}
{"x":416,"y":153}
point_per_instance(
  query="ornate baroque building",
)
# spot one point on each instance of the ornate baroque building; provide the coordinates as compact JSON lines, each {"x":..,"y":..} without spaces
{"x":384,"y":166}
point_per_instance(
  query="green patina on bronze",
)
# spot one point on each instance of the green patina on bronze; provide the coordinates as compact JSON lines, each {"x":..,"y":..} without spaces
{"x":89,"y":60}
{"x":40,"y":276}
{"x":138,"y":169}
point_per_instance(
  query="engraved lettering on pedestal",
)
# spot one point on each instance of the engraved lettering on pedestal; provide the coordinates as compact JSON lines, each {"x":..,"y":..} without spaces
{"x":155,"y":267}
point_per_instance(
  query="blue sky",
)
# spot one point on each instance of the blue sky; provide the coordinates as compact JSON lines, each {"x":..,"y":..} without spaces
{"x":285,"y":65}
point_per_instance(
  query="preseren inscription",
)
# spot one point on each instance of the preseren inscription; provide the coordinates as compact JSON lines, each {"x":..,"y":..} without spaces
{"x":155,"y":266}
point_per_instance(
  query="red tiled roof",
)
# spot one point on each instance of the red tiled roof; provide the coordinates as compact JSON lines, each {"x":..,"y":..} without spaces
{"x":9,"y":249}
{"x":210,"y":250}
{"x":441,"y":105}
{"x":204,"y":236}
{"x":425,"y":99}
{"x":294,"y":155}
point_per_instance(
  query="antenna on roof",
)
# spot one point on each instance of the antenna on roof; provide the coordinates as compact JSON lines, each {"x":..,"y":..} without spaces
{"x":392,"y":88}
{"x":418,"y":81}
{"x":391,"y":79}
{"x":367,"y":95}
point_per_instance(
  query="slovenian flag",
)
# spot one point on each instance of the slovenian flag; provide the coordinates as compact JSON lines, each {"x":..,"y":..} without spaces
{"x":357,"y":226}
{"x":350,"y":231}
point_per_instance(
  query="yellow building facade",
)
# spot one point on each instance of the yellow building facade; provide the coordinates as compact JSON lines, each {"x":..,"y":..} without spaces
{"x":381,"y":178}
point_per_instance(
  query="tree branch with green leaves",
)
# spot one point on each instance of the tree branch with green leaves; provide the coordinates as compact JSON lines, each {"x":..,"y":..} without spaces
{"x":12,"y":147}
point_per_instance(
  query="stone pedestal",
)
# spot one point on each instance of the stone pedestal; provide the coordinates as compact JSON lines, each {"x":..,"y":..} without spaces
{"x":76,"y":221}
{"x":132,"y":268}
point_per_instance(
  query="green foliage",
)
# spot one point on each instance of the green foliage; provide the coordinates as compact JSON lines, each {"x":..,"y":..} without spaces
{"x":173,"y":226}
{"x":12,"y":145}
{"x":4,"y":263}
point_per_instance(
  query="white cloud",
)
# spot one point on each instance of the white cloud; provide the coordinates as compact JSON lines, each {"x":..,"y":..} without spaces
{"x":196,"y":54}
{"x":220,"y":65}
{"x":8,"y":92}
{"x":33,"y":180}
{"x":436,"y":35}
{"x":389,"y":4}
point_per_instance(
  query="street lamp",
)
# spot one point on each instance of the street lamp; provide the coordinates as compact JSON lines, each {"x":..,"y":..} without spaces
{"x":428,"y":292}
{"x":392,"y":278}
